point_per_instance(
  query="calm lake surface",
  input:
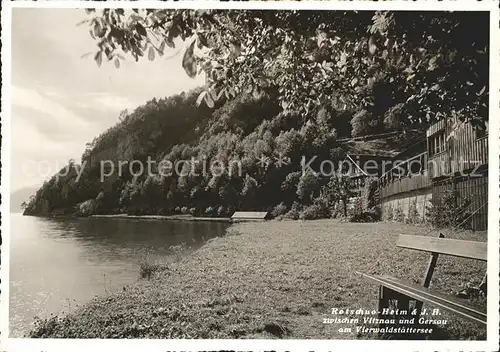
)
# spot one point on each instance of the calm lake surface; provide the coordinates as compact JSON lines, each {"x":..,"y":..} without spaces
{"x":58,"y":264}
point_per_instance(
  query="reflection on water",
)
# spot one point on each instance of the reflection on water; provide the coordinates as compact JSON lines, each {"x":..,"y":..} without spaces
{"x":57,"y":264}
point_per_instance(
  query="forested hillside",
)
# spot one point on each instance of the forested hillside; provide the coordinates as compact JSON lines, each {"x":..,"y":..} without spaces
{"x":249,"y":134}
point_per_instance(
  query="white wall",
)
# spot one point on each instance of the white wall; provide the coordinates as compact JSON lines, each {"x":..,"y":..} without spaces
{"x":421,"y":198}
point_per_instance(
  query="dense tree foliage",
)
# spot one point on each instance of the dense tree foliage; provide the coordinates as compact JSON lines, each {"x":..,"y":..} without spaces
{"x":425,"y":65}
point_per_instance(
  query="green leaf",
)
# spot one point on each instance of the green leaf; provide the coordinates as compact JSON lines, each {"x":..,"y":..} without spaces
{"x":189,"y":61}
{"x":151,"y":53}
{"x":482,"y":91}
{"x":117,"y":63}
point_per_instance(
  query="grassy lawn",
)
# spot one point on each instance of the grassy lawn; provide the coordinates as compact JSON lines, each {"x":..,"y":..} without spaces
{"x":270,"y":280}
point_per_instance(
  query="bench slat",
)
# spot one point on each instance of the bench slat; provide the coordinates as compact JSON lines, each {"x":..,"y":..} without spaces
{"x":457,"y":248}
{"x":458,"y":306}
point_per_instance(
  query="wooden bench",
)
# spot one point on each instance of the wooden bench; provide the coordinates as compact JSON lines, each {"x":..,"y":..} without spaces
{"x":250,"y":216}
{"x":401,"y":293}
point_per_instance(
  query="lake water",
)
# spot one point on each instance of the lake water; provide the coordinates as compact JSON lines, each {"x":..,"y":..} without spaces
{"x":59,"y":263}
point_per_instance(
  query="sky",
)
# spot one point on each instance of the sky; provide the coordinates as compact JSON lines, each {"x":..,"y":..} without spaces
{"x":61,"y":101}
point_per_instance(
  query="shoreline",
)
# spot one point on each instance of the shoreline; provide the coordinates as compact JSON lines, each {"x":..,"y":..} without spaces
{"x":150,"y":217}
{"x":163,"y":217}
{"x":265,"y":280}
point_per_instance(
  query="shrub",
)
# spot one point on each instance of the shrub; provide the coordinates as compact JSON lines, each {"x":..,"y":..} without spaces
{"x":178,"y":250}
{"x":147,"y":269}
{"x":279,"y":210}
{"x":336,"y":211}
{"x":192,"y":211}
{"x":361,"y":217}
{"x":184,"y":210}
{"x":294,"y":211}
{"x":220,"y":211}
{"x":373,"y":215}
{"x":177,"y":210}
{"x":87,"y":208}
{"x":365,"y":216}
{"x":363,"y":123}
{"x":355,"y":206}
{"x":448,"y":211}
{"x":46,"y":327}
{"x":308,"y":186}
